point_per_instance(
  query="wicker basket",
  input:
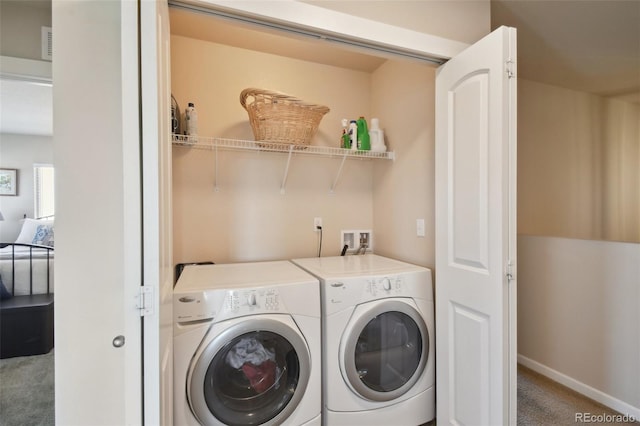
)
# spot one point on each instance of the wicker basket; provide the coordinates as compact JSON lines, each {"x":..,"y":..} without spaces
{"x":279,"y":118}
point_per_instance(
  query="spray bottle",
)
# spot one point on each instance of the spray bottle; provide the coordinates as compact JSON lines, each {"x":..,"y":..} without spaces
{"x":345,"y":142}
{"x":191,"y":119}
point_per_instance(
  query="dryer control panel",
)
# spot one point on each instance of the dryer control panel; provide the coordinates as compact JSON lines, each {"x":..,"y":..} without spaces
{"x":340,"y":294}
{"x":386,"y":286}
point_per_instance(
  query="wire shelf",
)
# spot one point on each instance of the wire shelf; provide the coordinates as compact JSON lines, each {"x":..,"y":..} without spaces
{"x":210,"y":143}
{"x":213,"y":144}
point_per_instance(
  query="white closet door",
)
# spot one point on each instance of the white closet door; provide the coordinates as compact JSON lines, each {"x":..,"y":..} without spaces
{"x":98,"y":245}
{"x":475,"y":233}
{"x":157,"y":217}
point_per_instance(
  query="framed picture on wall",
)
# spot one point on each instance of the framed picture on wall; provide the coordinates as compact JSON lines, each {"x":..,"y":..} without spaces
{"x":8,"y":182}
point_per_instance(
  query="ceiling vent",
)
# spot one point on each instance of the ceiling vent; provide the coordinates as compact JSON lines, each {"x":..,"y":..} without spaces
{"x":47,"y":44}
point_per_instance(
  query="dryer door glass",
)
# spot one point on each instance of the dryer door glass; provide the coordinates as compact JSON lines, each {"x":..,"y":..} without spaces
{"x":386,"y":351}
{"x":252,"y":379}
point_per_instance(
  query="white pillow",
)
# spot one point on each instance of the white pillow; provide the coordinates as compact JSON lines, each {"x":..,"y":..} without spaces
{"x":29,"y":229}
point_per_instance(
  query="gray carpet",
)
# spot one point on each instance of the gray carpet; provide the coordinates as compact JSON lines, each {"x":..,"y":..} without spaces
{"x":27,"y":399}
{"x":541,"y":401}
{"x":27,"y":391}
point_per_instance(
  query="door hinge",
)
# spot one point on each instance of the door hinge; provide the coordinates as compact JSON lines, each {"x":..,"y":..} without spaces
{"x":509,"y":66}
{"x":509,"y":272}
{"x":145,"y":302}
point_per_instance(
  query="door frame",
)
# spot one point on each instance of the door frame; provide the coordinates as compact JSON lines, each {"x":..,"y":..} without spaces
{"x":348,"y":30}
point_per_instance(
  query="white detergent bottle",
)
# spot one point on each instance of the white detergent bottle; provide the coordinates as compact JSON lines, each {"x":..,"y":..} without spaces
{"x":377,"y":136}
{"x":353,"y":135}
{"x":191,"y":119}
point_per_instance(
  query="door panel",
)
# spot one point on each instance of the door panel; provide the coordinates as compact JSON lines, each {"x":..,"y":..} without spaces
{"x":470,"y":375}
{"x":475,"y":233}
{"x":97,"y":224}
{"x":468,"y":143}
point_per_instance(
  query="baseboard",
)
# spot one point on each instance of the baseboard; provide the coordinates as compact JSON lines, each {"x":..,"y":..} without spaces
{"x":586,"y":390}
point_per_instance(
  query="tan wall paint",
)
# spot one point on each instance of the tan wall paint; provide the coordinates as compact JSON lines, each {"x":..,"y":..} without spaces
{"x":404,"y":96}
{"x":248,"y":219}
{"x":578,"y":156}
{"x":20,"y":27}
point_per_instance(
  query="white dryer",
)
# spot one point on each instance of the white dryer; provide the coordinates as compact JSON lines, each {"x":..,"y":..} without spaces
{"x":247,"y":345}
{"x":378,"y":340}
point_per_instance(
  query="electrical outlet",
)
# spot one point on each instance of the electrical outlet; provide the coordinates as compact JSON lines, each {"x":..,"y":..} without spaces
{"x":317,"y":222}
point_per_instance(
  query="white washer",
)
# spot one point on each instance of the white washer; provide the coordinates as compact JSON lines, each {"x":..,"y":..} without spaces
{"x":247,"y":345}
{"x":378,"y":340}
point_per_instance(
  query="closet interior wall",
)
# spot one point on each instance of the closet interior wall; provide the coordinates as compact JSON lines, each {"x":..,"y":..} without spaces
{"x":246,"y":218}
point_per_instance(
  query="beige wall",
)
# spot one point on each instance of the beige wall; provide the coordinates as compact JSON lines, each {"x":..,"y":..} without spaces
{"x":247,"y":218}
{"x":472,"y":17}
{"x":404,"y":191}
{"x":20,"y":27}
{"x":578,"y":178}
{"x":578,"y":156}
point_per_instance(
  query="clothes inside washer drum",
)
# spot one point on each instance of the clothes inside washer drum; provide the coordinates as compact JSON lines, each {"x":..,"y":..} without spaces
{"x":257,"y":363}
{"x":261,"y":377}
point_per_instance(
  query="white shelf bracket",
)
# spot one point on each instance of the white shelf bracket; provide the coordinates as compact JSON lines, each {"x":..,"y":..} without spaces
{"x":215,"y":171}
{"x":335,"y":181}
{"x":286,"y":170}
{"x":215,"y":144}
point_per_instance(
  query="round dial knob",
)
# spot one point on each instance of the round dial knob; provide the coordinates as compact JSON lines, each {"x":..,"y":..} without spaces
{"x":386,"y":284}
{"x":251,"y":299}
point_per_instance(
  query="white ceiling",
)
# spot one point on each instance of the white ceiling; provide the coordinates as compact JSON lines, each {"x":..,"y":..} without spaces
{"x":586,"y":45}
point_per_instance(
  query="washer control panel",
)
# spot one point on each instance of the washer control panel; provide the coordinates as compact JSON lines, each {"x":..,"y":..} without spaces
{"x":199,"y":306}
{"x":252,"y":300}
{"x":195,"y":306}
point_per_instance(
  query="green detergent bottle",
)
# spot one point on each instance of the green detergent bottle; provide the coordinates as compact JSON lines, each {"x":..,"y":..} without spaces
{"x":364,"y":143}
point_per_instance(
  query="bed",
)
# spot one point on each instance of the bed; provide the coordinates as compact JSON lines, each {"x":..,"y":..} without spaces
{"x":26,"y":268}
{"x":26,"y":291}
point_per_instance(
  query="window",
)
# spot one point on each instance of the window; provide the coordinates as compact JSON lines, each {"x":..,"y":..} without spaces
{"x":44,"y":195}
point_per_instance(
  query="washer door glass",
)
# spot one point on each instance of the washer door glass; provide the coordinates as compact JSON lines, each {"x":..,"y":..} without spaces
{"x":253,"y":378}
{"x":388,"y":353}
